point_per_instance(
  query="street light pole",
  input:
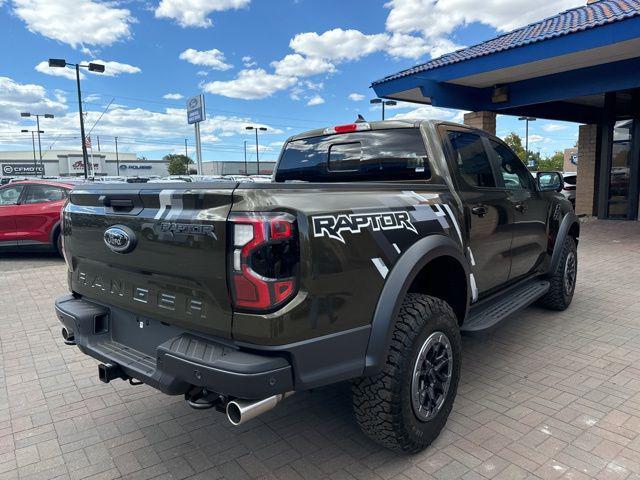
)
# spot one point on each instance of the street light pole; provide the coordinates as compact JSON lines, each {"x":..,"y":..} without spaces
{"x":526,"y":134}
{"x":85,"y":157}
{"x":39,"y":144}
{"x":375,"y":101}
{"x":38,"y":115}
{"x":264,"y":129}
{"x":33,"y":143}
{"x":246,"y":169}
{"x":117,"y":158}
{"x":93,"y":67}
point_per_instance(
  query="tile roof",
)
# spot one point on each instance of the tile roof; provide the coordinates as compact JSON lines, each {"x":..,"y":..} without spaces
{"x":571,"y":21}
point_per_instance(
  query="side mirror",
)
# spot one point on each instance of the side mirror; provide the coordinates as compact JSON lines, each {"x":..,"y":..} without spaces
{"x":550,"y":181}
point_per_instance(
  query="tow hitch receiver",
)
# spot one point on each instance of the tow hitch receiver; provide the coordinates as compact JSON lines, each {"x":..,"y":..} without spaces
{"x":108,"y":372}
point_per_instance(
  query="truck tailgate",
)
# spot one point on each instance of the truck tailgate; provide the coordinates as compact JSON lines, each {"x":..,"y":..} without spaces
{"x":174,"y":267}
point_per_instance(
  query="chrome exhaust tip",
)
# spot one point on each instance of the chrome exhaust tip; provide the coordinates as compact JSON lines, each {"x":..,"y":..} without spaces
{"x":241,"y":411}
{"x":68,"y":336}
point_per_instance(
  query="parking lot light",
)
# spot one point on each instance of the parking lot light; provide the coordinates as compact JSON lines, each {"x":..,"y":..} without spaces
{"x":256,"y":128}
{"x":57,"y":62}
{"x":93,"y":67}
{"x":379,"y":101}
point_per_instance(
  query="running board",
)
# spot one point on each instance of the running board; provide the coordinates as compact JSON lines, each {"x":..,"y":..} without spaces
{"x":489,"y":313}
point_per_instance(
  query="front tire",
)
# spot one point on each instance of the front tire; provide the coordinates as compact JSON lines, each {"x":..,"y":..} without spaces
{"x":407,"y":404}
{"x":563,"y":279}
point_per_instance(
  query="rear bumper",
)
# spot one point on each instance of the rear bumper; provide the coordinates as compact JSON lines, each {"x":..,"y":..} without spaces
{"x":174,"y":360}
{"x":168,"y":358}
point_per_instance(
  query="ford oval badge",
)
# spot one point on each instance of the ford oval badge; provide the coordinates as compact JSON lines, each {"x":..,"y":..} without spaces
{"x":119,"y":239}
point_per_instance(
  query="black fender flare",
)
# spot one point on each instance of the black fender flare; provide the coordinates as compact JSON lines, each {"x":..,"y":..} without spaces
{"x":395,"y":289}
{"x":567,"y":222}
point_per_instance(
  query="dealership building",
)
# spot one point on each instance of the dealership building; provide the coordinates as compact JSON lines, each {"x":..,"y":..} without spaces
{"x":581,"y":65}
{"x":69,"y":163}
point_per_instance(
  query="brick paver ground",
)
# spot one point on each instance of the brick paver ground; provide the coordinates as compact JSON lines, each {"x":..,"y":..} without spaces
{"x":549,"y":395}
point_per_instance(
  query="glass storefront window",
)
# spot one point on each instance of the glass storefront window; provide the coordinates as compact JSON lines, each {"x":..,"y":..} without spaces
{"x":620,"y":169}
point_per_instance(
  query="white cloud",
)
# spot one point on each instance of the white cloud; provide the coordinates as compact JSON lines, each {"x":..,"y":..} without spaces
{"x":553,"y":127}
{"x":429,"y":112}
{"x":432,"y":22}
{"x":76,"y":22}
{"x":25,"y":97}
{"x":315,"y":100}
{"x":66,"y":72}
{"x":295,"y":65}
{"x":202,"y":73}
{"x":248,"y":62}
{"x":408,"y":46}
{"x":356,"y":97}
{"x":114,"y":69}
{"x":250,"y":85}
{"x":338,"y":44}
{"x":213,"y":58}
{"x":538,"y":139}
{"x":194,"y":13}
{"x":173,"y":96}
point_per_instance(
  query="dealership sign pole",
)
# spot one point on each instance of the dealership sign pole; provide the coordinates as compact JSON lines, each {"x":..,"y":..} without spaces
{"x":195,"y":115}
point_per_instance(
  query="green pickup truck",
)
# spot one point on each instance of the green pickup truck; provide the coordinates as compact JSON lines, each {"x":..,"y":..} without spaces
{"x":373,"y":248}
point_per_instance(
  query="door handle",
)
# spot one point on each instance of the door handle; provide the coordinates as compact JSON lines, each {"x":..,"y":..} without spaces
{"x":479,"y":210}
{"x":520,"y":207}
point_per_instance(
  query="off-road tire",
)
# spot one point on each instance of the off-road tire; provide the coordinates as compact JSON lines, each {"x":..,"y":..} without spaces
{"x":558,"y":298}
{"x":383,"y":403}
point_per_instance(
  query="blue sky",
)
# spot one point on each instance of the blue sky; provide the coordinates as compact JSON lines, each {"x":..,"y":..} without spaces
{"x":288,"y":65}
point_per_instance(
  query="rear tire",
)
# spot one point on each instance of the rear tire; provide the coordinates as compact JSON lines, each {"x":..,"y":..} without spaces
{"x":563,"y":279}
{"x":407,"y":404}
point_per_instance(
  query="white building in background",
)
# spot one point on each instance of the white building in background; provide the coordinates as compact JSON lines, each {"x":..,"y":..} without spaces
{"x":69,"y":163}
{"x":236,"y":168}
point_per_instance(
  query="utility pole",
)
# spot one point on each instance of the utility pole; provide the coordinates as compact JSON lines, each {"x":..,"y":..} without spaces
{"x":117,"y":158}
{"x":98,"y":137}
{"x":186,"y":152}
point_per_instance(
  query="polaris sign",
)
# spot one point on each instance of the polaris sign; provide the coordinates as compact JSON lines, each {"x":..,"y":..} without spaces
{"x":20,"y":169}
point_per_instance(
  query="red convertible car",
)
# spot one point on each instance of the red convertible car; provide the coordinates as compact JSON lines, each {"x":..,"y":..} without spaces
{"x":30,"y":214}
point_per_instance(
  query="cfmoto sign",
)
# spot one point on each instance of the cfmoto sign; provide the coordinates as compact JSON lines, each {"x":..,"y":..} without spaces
{"x":20,"y":169}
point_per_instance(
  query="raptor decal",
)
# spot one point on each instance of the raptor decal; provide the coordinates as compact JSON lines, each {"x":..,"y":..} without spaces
{"x":333,"y":226}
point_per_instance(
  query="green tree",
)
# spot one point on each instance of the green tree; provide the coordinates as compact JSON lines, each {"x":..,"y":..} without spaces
{"x":177,"y":164}
{"x":515,"y":143}
{"x":553,"y":163}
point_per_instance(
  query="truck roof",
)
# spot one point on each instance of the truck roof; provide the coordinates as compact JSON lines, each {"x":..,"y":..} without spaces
{"x":378,"y":125}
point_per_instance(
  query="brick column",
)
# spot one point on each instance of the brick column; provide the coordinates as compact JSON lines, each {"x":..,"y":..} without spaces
{"x":482,"y":120}
{"x":586,"y":181}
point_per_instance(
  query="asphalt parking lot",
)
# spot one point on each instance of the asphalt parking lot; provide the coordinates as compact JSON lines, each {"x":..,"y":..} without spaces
{"x":546,"y":396}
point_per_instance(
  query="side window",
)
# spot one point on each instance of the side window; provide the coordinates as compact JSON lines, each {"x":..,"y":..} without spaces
{"x":10,"y":195}
{"x":44,"y":194}
{"x":471,"y":158}
{"x":513,"y":172}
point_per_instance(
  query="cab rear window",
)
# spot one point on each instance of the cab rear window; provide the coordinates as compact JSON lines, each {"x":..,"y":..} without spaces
{"x":374,"y":155}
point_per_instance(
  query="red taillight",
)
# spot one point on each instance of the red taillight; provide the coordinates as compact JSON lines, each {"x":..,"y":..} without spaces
{"x":263,"y":260}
